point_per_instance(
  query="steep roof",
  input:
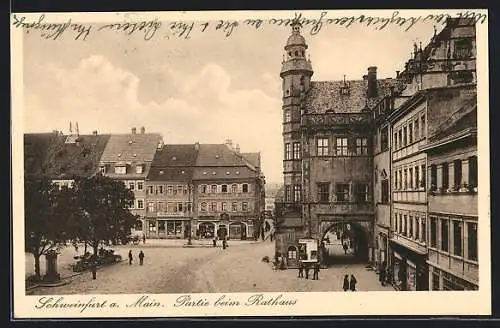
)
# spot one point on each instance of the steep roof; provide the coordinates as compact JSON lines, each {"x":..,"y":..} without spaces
{"x":36,"y":147}
{"x":173,"y":163}
{"x":219,"y":155}
{"x":172,"y":173}
{"x":210,"y":173}
{"x":62,"y":160}
{"x":253,"y":158}
{"x":325,"y":96}
{"x":140,"y":147}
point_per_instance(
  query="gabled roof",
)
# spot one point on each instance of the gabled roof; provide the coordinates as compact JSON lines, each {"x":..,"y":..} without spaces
{"x":219,"y":155}
{"x":325,"y":96}
{"x":140,"y":147}
{"x":175,"y":155}
{"x":253,"y":158}
{"x":172,"y":173}
{"x":49,"y":155}
{"x":463,"y":119}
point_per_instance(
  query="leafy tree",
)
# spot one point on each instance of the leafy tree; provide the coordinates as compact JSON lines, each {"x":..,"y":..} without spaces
{"x":48,"y":210}
{"x":103,"y":213}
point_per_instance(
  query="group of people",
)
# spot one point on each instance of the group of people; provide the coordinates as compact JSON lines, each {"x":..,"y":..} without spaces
{"x":224,"y":242}
{"x":305,"y":267}
{"x":349,"y":284}
{"x":131,"y":257}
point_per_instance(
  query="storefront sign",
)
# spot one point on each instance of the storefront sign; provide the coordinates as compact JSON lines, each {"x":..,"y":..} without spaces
{"x":309,"y":250}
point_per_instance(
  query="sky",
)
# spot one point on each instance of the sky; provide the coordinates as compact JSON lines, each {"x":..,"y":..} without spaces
{"x":207,"y":88}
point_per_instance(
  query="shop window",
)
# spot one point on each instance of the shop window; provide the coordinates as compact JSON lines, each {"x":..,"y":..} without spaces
{"x":152,"y":226}
{"x":444,"y":235}
{"x":433,"y":236}
{"x":457,"y":238}
{"x":161,"y":226}
{"x":138,"y":225}
{"x":323,"y":192}
{"x":342,"y":192}
{"x":472,"y":241}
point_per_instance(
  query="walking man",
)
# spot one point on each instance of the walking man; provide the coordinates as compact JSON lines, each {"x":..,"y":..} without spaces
{"x":301,"y":269}
{"x":143,"y":238}
{"x":345,"y":286}
{"x":141,"y":258}
{"x":130,"y":258}
{"x":316,"y":271}
{"x":94,"y":269}
{"x":352,"y":283}
{"x":345,"y":247}
{"x":214,"y":242}
{"x":306,"y":268}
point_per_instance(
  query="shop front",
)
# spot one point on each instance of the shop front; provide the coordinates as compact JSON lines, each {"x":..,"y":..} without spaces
{"x":167,"y":227}
{"x":409,"y":269}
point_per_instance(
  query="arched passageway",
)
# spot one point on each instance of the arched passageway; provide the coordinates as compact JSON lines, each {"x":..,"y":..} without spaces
{"x":344,"y":243}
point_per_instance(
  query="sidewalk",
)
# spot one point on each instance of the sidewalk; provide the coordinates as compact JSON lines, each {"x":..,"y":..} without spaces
{"x":180,"y":243}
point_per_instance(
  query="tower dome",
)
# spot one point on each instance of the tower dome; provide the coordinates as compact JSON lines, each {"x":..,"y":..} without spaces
{"x":296,"y":40}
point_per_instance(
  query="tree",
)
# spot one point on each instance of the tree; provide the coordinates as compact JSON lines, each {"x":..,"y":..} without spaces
{"x":48,"y":210}
{"x":103,"y":214}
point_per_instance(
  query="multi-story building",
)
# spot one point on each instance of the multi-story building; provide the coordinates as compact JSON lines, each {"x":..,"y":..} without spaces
{"x":169,"y":192}
{"x":228,"y":192}
{"x":127,"y":158}
{"x":62,"y":158}
{"x":452,"y":200}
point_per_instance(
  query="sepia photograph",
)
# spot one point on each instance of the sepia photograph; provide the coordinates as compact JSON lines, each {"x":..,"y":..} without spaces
{"x":273,"y":155}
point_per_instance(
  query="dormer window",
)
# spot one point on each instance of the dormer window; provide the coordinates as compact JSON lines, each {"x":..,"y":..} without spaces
{"x":204,"y":172}
{"x":119,"y":154}
{"x":122,"y":169}
{"x":135,"y":155}
{"x":217,"y":156}
{"x":161,"y":172}
{"x":102,"y":169}
{"x":213,"y":173}
{"x":130,"y":142}
{"x":174,"y":158}
{"x":138,"y":169}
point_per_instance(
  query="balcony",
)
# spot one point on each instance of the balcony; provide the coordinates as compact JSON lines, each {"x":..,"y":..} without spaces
{"x":345,"y":119}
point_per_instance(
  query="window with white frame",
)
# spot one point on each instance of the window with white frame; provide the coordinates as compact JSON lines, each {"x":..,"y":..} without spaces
{"x":140,"y":185}
{"x":234,"y":206}
{"x":296,"y":150}
{"x":234,"y":188}
{"x":131,"y":185}
{"x":214,"y":189}
{"x":341,"y":148}
{"x":140,"y":204}
{"x":120,"y":169}
{"x":244,"y":207}
{"x":224,"y":206}
{"x":138,"y":169}
{"x":322,"y":147}
{"x":203,"y":207}
{"x":361,"y":146}
{"x":151,"y":207}
{"x":213,"y":207}
{"x":288,"y":151}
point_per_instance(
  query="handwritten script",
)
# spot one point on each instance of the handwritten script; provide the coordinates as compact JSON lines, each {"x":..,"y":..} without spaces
{"x":154,"y":28}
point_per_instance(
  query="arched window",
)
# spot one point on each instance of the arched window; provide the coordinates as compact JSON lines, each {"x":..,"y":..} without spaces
{"x":292,"y":253}
{"x":234,"y":188}
{"x":214,"y":189}
{"x":203,"y":207}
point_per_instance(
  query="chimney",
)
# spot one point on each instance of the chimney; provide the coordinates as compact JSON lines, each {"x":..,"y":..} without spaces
{"x":134,"y":130}
{"x":196,"y":146}
{"x":237,"y":148}
{"x":94,"y":132}
{"x":143,"y":130}
{"x":70,"y":129}
{"x":372,"y":82}
{"x":77,"y":130}
{"x":397,"y":73}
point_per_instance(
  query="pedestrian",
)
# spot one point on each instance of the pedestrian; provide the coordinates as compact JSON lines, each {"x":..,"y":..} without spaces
{"x":345,"y":248}
{"x":316,"y":271}
{"x":345,"y":286}
{"x":130,"y":258}
{"x":301,"y":270}
{"x":306,"y":269}
{"x":382,"y":276}
{"x":214,"y":242}
{"x":143,"y":238}
{"x":352,"y":283}
{"x":141,"y":258}
{"x":224,"y":244}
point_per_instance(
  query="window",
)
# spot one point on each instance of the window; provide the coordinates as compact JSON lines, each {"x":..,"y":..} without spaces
{"x":203,"y":189}
{"x":445,"y":176}
{"x":362,"y":192}
{"x":288,"y":151}
{"x":435,"y":280}
{"x":292,"y":253}
{"x":171,"y":207}
{"x":417,"y":175}
{"x":203,"y":207}
{"x":457,"y":173}
{"x":384,"y":138}
{"x":234,"y":206}
{"x":384,"y":185}
{"x":396,"y":226}
{"x":472,"y":241}
{"x":422,"y":125}
{"x":244,"y":207}
{"x":151,"y":207}
{"x":463,"y":49}
{"x":341,"y":147}
{"x":132,"y":205}
{"x":361,"y":146}
{"x":161,"y":226}
{"x":159,"y":190}
{"x":322,"y":147}
{"x":152,"y":226}
{"x":138,"y":225}
{"x":296,"y":193}
{"x":405,"y":181}
{"x":400,"y":223}
{"x":138,"y":169}
{"x":400,"y":138}
{"x":150,"y":190}
{"x":185,"y":190}
{"x":214,"y":189}
{"x":395,"y":179}
{"x":213,"y":207}
{"x":462,"y":77}
{"x":170,"y":190}
{"x":457,"y":238}
{"x":131,"y":185}
{"x":396,"y":140}
{"x":140,"y":185}
{"x":444,"y":235}
{"x":180,"y":190}
{"x":405,"y":136}
{"x":245,"y":187}
{"x":424,"y":232}
{"x":417,"y":130}
{"x":189,"y":207}
{"x":234,"y":188}
{"x":296,"y":150}
{"x":224,"y":207}
{"x":180,"y":207}
{"x":161,"y":207}
{"x":433,"y":236}
{"x":400,"y":179}
{"x":473,"y":171}
{"x":140,"y":204}
{"x":433,"y":175}
{"x":344,"y":90}
{"x":288,"y":193}
{"x":422,"y":172}
{"x":342,"y":192}
{"x":224,"y":188}
{"x":410,"y":173}
{"x":410,"y":233}
{"x":323,"y":192}
{"x":120,"y":169}
{"x":102,"y":169}
{"x":417,"y":228}
{"x":405,"y":225}
{"x":288,"y":116}
{"x":410,"y":133}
